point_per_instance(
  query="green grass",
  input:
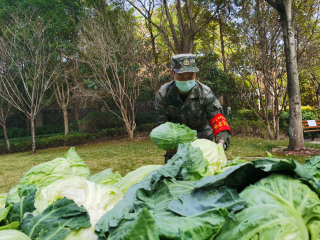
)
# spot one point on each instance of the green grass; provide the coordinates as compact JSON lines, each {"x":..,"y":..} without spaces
{"x":125,"y":156}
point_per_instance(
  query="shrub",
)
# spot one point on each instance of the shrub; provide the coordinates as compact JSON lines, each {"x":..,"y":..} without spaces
{"x":145,"y":118}
{"x":97,"y":121}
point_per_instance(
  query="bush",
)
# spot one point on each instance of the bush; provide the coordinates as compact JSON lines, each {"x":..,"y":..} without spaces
{"x":246,"y":127}
{"x":97,"y":121}
{"x":145,"y":118}
{"x":25,"y":144}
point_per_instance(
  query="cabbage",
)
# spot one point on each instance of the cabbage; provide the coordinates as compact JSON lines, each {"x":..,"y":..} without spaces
{"x":213,"y":153}
{"x":278,"y":207}
{"x":13,"y":235}
{"x":97,"y":199}
{"x":48,"y":172}
{"x":3,"y":197}
{"x":169,"y":135}
{"x":134,"y":177}
{"x":106,"y":177}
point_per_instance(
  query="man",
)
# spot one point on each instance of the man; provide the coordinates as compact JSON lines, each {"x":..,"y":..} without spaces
{"x":187,"y":101}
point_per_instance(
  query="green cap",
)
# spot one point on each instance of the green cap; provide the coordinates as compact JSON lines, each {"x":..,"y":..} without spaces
{"x":184,"y":63}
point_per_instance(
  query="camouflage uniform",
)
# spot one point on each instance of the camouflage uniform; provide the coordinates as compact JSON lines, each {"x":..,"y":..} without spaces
{"x":196,"y":111}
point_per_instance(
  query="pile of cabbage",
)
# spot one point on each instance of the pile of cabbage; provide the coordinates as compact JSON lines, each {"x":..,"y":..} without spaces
{"x":196,"y":195}
{"x":59,"y":199}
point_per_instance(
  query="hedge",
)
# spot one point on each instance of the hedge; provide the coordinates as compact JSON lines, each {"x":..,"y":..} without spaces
{"x":51,"y":141}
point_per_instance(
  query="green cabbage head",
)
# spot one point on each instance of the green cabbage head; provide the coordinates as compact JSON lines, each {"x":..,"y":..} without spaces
{"x":169,"y":135}
{"x":278,"y":207}
{"x":213,"y":153}
{"x":97,"y":199}
{"x":48,"y":172}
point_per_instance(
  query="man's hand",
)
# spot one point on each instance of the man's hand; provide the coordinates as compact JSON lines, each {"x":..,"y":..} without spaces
{"x":173,"y":151}
{"x":223,"y":143}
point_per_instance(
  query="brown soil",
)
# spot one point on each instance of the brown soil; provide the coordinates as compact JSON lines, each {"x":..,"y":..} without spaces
{"x":306,"y":151}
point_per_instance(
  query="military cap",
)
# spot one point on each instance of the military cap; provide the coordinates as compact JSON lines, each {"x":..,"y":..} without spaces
{"x":184,"y":63}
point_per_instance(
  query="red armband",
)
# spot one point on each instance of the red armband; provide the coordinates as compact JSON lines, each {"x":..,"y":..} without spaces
{"x":219,"y":124}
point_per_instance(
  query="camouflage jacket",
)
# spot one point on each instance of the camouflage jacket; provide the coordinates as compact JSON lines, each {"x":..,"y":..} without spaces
{"x":196,"y":111}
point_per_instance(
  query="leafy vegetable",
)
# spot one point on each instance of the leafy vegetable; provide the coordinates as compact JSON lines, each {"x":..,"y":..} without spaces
{"x":97,"y":199}
{"x":169,"y":135}
{"x":178,"y":211}
{"x":4,"y":224}
{"x":134,"y":177}
{"x":106,"y":177}
{"x":26,"y":204}
{"x":213,"y":153}
{"x":56,"y":221}
{"x":46,"y":173}
{"x":278,"y":207}
{"x":13,"y":235}
{"x":3,"y":197}
{"x":312,"y":166}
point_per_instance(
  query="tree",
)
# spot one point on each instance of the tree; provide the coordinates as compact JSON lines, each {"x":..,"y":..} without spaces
{"x":284,"y":8}
{"x":259,"y":63}
{"x":26,"y":64}
{"x":117,"y":57}
{"x":191,"y":19}
{"x":5,"y":108}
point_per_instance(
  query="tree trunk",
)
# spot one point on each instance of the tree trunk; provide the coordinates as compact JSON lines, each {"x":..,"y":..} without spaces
{"x":76,"y":110}
{"x":318,"y":99}
{"x":270,"y":135}
{"x":33,"y":136}
{"x":296,"y":141}
{"x":65,"y":120}
{"x":28,"y":123}
{"x":6,"y":137}
{"x":224,"y":61}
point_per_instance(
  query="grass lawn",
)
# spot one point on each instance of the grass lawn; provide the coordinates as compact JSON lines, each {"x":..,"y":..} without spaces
{"x":124,"y":156}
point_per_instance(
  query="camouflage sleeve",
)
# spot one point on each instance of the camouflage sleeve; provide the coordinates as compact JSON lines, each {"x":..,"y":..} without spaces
{"x":213,"y":107}
{"x":162,"y":117}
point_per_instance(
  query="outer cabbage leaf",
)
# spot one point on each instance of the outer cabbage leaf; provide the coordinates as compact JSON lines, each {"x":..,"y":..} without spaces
{"x":278,"y":207}
{"x":60,"y":168}
{"x":13,"y":235}
{"x":56,"y":221}
{"x":97,"y":199}
{"x":312,"y":166}
{"x":106,"y":177}
{"x":26,"y":203}
{"x":134,"y":177}
{"x":4,"y":223}
{"x":213,"y":153}
{"x":3,"y":197}
{"x":169,"y":135}
{"x":179,"y":211}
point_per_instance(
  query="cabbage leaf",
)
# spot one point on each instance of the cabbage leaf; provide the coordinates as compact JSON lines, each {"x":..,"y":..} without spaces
{"x":106,"y":177}
{"x":48,"y":172}
{"x":134,"y":177}
{"x":213,"y":153}
{"x":3,"y":197}
{"x":169,"y":135}
{"x":13,"y":235}
{"x":278,"y":207}
{"x":178,"y":211}
{"x":56,"y":221}
{"x":97,"y":199}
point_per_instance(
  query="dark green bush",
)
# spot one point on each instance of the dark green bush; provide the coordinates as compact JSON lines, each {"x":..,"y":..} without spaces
{"x":25,"y":144}
{"x":145,"y":118}
{"x":97,"y":121}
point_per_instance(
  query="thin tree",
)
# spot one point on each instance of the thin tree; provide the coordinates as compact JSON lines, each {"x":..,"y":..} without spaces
{"x":284,"y":8}
{"x":5,"y":108}
{"x":117,"y":57}
{"x":27,"y":59}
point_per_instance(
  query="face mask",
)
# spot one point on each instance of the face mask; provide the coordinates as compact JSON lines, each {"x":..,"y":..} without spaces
{"x":185,"y":86}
